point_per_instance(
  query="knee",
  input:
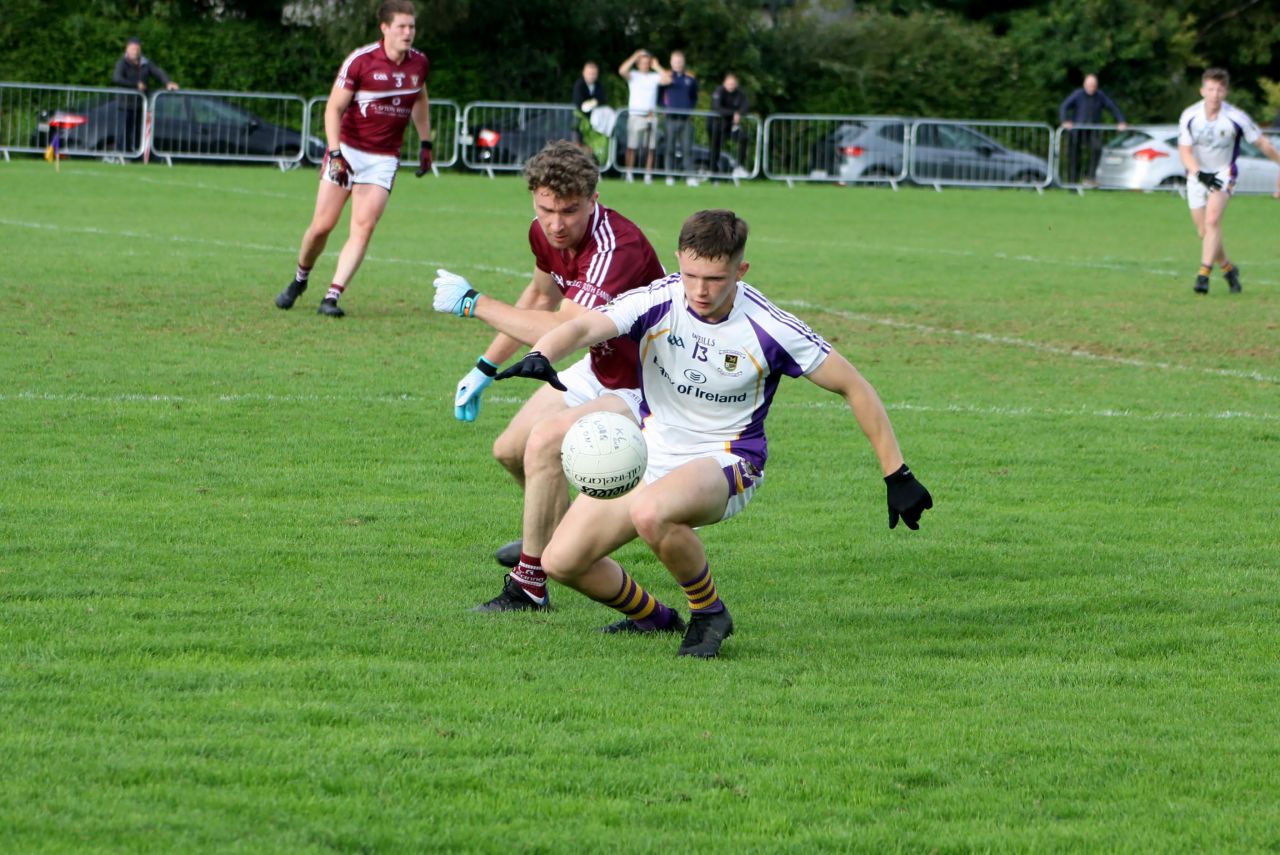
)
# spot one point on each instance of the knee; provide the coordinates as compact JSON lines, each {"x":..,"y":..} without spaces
{"x":542,"y":452}
{"x":649,"y":522}
{"x":561,"y":564}
{"x":508,"y":452}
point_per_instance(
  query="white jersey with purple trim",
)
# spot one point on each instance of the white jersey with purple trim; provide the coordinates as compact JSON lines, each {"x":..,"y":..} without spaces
{"x":708,"y":386}
{"x":1216,"y":143}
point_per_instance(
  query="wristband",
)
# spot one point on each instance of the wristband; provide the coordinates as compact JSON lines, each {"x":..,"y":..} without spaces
{"x":468,"y":307}
{"x":485,"y":367}
{"x":898,"y":474}
{"x":335,"y":152}
{"x":427,"y":145}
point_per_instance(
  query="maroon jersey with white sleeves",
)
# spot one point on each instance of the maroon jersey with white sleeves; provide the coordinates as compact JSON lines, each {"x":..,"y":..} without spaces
{"x":384,"y":95}
{"x":613,"y":257}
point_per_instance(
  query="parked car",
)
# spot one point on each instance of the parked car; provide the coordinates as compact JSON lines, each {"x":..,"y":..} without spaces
{"x":181,"y":124}
{"x":1145,"y":157}
{"x":943,"y":151}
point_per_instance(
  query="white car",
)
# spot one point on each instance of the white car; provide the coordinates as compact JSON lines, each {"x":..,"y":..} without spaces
{"x":1145,"y":157}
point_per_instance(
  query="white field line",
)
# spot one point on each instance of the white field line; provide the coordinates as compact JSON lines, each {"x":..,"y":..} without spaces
{"x":989,"y":338}
{"x":420,"y":400}
{"x":242,"y":246}
{"x":1039,"y":347}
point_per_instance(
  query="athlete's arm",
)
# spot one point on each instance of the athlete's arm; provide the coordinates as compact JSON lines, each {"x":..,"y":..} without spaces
{"x":526,"y":324}
{"x":421,"y":115}
{"x":540,"y":297}
{"x":586,"y":329}
{"x":835,"y":374}
{"x":339,"y":100}
{"x":1264,"y":145}
{"x":1188,"y":159}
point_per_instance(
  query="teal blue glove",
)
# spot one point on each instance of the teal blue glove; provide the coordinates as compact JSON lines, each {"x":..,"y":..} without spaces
{"x":454,"y":294}
{"x":466,"y":401}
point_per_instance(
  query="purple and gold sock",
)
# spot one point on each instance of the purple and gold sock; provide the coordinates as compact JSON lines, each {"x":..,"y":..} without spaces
{"x":638,"y":605}
{"x":702,"y":593}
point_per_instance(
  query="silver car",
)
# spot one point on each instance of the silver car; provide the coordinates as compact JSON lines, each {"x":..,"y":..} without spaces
{"x":1145,"y":157}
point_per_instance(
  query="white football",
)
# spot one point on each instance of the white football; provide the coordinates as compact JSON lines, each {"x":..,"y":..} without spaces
{"x":604,"y":455}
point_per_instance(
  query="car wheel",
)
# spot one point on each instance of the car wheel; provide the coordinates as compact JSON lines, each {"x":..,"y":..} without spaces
{"x":1028,"y":177}
{"x":1173,"y":182}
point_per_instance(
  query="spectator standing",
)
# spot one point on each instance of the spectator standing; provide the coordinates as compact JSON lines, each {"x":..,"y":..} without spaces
{"x":680,"y":92}
{"x":135,"y":71}
{"x":729,"y":103}
{"x":644,"y":75}
{"x":588,"y":90}
{"x":1084,"y":107}
{"x":588,"y":93}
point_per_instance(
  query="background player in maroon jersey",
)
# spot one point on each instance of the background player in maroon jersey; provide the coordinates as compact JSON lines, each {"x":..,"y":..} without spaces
{"x":584,"y":255}
{"x":379,"y":89}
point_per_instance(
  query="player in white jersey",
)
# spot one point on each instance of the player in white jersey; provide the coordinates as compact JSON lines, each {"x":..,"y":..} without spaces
{"x":712,"y":352}
{"x":1209,"y":134}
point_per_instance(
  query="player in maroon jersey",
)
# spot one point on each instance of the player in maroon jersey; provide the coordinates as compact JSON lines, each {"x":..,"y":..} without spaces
{"x":379,"y":89}
{"x":584,"y":256}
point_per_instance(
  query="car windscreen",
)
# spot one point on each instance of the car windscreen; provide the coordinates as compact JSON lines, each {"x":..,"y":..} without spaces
{"x":1127,"y":139}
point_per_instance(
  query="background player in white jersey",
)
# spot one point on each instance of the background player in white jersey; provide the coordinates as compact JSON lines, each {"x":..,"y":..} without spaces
{"x":584,"y":255}
{"x":387,"y":83}
{"x":1209,"y":134}
{"x":712,"y":352}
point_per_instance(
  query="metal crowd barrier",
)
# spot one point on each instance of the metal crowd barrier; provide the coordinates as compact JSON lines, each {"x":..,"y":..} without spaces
{"x":208,"y":124}
{"x":843,"y":149}
{"x":445,"y":120}
{"x":980,"y":154}
{"x":83,"y":120}
{"x":1081,"y":149}
{"x":691,"y":145}
{"x":499,"y":136}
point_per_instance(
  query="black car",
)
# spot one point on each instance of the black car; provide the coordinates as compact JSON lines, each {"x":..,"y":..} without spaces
{"x":185,"y":124}
{"x":514,"y":140}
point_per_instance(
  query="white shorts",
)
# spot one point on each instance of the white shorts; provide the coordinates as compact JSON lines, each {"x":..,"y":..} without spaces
{"x":743,"y":477}
{"x":366,"y":168}
{"x":584,"y":387}
{"x":1198,"y":194}
{"x":640,"y":130}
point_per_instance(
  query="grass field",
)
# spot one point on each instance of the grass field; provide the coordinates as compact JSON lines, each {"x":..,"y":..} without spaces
{"x":238,"y":545}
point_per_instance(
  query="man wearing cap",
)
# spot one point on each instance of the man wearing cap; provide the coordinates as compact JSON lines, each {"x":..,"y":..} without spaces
{"x":133,"y":71}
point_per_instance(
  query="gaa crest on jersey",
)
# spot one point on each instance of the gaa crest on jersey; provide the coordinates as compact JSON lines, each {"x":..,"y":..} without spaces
{"x":729,"y":363}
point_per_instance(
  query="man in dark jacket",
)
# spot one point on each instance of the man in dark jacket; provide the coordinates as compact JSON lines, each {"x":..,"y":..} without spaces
{"x":1084,"y":107}
{"x":729,"y":103}
{"x":134,"y":71}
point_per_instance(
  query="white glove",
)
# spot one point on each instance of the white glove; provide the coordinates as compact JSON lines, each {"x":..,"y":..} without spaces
{"x":454,"y":294}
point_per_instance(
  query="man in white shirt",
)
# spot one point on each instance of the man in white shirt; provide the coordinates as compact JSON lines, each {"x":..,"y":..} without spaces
{"x":644,"y":75}
{"x":1209,"y":134}
{"x":713,"y":351}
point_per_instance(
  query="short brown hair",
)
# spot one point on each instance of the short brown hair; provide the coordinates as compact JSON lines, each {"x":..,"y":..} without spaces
{"x":390,"y":8}
{"x":714,"y":234}
{"x":567,"y":170}
{"x":1219,"y":75}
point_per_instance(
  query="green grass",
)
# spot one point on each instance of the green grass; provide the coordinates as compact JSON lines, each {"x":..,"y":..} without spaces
{"x":238,"y":545}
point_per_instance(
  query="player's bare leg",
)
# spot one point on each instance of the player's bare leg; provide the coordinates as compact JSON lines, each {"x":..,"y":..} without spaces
{"x":545,"y":494}
{"x":330,"y":200}
{"x":578,"y":557}
{"x":665,"y":515}
{"x":1208,"y":223}
{"x":368,"y":201}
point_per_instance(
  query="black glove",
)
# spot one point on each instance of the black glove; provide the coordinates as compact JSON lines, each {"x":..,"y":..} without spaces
{"x":536,"y":366}
{"x":908,"y":498}
{"x":424,"y":158}
{"x":1209,"y":179}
